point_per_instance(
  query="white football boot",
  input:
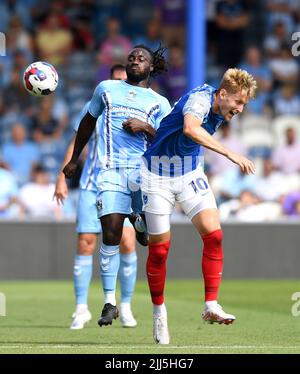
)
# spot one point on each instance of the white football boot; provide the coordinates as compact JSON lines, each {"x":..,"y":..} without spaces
{"x":215,"y":314}
{"x":126,"y":316}
{"x":160,"y":329}
{"x":80,"y":319}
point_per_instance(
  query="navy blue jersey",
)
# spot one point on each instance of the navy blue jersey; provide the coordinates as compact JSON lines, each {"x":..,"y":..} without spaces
{"x":172,"y":153}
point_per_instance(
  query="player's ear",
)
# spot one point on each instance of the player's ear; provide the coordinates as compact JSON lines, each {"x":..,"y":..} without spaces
{"x":223,"y":93}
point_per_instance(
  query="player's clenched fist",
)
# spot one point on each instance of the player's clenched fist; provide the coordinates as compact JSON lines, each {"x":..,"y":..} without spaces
{"x":69,"y":169}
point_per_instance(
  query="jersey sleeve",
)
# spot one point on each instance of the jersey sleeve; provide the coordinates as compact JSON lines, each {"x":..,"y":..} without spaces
{"x":198,"y":105}
{"x":97,"y":105}
{"x":165,"y":109}
{"x":81,"y":115}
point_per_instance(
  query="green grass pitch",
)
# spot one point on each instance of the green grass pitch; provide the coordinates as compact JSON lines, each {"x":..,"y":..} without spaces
{"x":39,"y":315}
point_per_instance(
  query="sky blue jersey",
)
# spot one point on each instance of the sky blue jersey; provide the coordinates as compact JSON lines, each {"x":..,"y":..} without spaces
{"x":118,"y":101}
{"x":90,"y":170}
{"x":172,"y":153}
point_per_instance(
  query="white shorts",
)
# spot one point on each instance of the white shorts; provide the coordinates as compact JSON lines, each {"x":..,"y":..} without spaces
{"x":191,"y":191}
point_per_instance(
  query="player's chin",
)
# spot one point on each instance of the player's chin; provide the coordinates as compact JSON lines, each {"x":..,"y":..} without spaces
{"x":229,"y":116}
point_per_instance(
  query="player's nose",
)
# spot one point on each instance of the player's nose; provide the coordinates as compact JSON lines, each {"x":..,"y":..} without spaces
{"x":240,"y":108}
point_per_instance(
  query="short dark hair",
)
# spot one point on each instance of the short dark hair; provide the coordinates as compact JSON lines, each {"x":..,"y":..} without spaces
{"x":117,"y":67}
{"x":159,"y":61}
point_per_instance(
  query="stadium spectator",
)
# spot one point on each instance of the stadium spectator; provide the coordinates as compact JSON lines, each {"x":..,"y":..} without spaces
{"x":113,"y":50}
{"x":83,"y":39}
{"x":20,"y":8}
{"x":53,"y":42}
{"x":286,"y":100}
{"x":284,"y":67}
{"x":136,"y":16}
{"x":171,"y":15}
{"x":232,"y":18}
{"x":283,"y":11}
{"x":44,"y":124}
{"x":275,"y":39}
{"x":15,"y":97}
{"x":18,"y":38}
{"x":174,"y":83}
{"x":218,"y":164}
{"x":152,"y":39}
{"x":57,"y":8}
{"x":254,"y":65}
{"x":270,"y":186}
{"x":10,"y":205}
{"x":20,"y":154}
{"x":37,"y":195}
{"x":232,"y":182}
{"x":286,"y":158}
{"x":249,"y":208}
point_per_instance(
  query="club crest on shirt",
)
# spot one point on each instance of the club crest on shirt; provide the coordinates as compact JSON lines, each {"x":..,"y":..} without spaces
{"x":99,"y":205}
{"x":131,"y":95}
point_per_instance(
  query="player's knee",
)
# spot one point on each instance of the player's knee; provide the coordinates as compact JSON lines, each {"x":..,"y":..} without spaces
{"x":112,"y":236}
{"x":158,"y":253}
{"x":86,"y":244}
{"x":213,"y":244}
{"x":127,"y":248}
{"x":127,"y":244}
{"x":214,"y":238}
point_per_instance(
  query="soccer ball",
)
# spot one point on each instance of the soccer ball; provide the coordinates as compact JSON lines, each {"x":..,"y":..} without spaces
{"x":40,"y":78}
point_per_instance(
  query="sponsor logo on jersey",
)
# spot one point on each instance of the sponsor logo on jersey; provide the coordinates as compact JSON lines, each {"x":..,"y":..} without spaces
{"x":131,"y":95}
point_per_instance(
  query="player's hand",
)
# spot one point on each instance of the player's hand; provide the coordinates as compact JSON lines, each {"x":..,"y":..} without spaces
{"x":246,"y":165}
{"x":61,"y":189}
{"x":133,"y":125}
{"x":69,"y":169}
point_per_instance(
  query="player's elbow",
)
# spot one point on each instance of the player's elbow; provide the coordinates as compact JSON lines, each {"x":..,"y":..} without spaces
{"x":188,"y":130}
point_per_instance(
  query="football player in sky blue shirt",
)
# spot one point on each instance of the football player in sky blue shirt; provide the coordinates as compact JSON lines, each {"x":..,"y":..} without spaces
{"x":131,"y":113}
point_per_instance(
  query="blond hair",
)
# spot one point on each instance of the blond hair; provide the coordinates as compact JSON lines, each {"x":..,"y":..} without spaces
{"x":237,"y":80}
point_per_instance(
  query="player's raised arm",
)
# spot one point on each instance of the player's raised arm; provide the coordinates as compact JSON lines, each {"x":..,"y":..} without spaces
{"x":85,"y":130}
{"x":194,"y":130}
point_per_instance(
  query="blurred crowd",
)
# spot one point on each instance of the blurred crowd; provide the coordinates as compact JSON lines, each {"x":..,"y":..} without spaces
{"x":83,"y":38}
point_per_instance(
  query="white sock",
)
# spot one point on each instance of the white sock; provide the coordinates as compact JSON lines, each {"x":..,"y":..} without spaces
{"x":80,"y":308}
{"x":160,"y":310}
{"x":110,"y":298}
{"x":211,"y":304}
{"x":125,"y":307}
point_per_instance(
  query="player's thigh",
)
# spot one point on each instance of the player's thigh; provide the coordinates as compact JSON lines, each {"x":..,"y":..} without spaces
{"x":206,"y":221}
{"x":158,"y":226}
{"x":87,"y":218}
{"x":158,"y":207}
{"x":157,"y":193}
{"x":198,"y":202}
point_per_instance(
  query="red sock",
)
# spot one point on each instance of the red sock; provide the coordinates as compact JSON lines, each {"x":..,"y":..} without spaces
{"x":156,"y":270}
{"x":212,"y":264}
